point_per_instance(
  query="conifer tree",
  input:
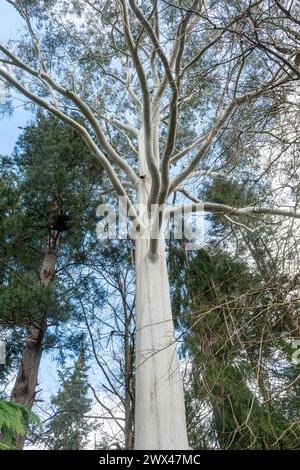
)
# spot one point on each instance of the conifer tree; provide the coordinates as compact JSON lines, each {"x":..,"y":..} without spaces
{"x":68,"y":429}
{"x":15,"y":420}
{"x":222,"y":309}
{"x":49,"y":198}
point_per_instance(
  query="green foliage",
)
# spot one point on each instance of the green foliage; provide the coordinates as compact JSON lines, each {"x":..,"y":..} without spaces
{"x":25,"y":300}
{"x":14,"y":419}
{"x":47,"y":188}
{"x":69,"y":428}
{"x":220,"y":306}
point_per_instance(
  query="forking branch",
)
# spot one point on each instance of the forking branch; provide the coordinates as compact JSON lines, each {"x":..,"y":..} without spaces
{"x":161,"y":72}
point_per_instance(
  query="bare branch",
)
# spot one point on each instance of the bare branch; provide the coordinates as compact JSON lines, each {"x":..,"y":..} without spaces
{"x":239,"y":211}
{"x":80,"y":129}
{"x":82,"y":107}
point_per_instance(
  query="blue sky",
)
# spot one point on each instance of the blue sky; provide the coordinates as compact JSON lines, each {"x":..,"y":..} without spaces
{"x":9,"y":125}
{"x":9,"y":132}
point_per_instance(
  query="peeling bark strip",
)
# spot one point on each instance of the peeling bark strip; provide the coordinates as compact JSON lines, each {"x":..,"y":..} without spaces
{"x":23,"y":391}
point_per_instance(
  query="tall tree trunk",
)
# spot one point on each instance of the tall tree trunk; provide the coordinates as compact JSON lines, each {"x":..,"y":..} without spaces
{"x":128,"y":376}
{"x":160,"y":421}
{"x":129,"y":410}
{"x":23,"y":391}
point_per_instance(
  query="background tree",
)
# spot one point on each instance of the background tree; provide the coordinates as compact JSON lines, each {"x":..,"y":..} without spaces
{"x":44,"y":225}
{"x":236,"y":303}
{"x":111,"y":345}
{"x":69,"y":428}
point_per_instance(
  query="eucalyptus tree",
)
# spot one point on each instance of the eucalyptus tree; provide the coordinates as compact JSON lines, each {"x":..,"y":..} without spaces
{"x":168,"y":79}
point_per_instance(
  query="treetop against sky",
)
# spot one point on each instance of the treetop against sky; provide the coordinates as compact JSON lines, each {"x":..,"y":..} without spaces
{"x":164,"y":80}
{"x":10,"y":22}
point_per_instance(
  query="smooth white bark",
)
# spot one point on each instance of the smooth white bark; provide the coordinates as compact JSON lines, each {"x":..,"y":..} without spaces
{"x":160,"y":412}
{"x":159,"y":400}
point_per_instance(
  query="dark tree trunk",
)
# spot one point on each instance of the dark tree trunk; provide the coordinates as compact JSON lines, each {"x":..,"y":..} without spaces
{"x":128,"y":378}
{"x":26,"y":381}
{"x":129,"y":399}
{"x":23,"y":391}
